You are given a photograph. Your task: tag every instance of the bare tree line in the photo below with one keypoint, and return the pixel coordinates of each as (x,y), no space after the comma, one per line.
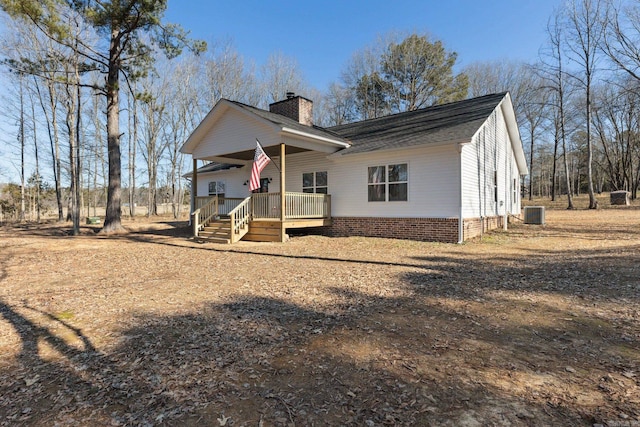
(577,106)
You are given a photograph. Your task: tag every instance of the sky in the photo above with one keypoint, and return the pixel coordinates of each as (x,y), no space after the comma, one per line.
(322,35)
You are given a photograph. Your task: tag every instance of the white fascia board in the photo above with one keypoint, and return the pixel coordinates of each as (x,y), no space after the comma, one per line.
(514,134)
(317,138)
(339,155)
(228,160)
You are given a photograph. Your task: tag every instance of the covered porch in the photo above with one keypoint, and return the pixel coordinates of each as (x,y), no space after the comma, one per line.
(259,216)
(227,137)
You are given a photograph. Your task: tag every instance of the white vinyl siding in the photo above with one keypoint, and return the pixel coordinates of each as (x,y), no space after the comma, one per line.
(489,170)
(234,132)
(433,189)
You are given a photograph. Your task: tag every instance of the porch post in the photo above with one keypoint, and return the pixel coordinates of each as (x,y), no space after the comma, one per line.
(194,190)
(283,196)
(194,184)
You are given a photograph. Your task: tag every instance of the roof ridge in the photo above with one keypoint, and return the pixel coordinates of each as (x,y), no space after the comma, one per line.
(431,107)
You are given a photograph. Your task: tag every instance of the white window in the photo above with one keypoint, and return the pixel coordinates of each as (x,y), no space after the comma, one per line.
(315,182)
(216,188)
(388,183)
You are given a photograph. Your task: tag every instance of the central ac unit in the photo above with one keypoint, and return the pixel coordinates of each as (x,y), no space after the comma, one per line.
(534,215)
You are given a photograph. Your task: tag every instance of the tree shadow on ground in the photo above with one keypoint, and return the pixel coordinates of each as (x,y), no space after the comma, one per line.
(598,273)
(169,228)
(59,377)
(264,360)
(445,353)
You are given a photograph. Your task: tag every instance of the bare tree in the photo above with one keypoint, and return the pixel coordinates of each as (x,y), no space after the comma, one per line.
(121,24)
(489,77)
(226,75)
(179,122)
(358,79)
(339,106)
(153,107)
(554,75)
(616,126)
(21,138)
(533,111)
(281,74)
(132,117)
(584,33)
(621,41)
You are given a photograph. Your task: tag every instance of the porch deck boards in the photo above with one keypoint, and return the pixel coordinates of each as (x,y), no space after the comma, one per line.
(304,210)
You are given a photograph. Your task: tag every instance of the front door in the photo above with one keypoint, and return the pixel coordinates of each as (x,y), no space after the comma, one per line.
(264,186)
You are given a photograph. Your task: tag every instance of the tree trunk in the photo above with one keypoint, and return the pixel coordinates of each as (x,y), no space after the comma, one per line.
(554,168)
(133,130)
(37,159)
(74,211)
(531,166)
(112,221)
(22,218)
(55,149)
(566,161)
(593,204)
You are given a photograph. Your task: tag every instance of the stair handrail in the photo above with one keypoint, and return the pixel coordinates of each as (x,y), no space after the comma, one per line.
(203,214)
(240,217)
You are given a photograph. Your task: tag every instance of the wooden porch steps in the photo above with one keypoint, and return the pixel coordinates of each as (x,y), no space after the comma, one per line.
(216,231)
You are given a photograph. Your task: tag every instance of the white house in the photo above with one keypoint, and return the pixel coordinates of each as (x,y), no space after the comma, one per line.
(444,173)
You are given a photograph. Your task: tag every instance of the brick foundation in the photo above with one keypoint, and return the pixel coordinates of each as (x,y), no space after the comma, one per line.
(474,227)
(423,229)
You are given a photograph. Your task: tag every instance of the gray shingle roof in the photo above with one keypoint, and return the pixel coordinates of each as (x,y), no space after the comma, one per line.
(456,121)
(213,167)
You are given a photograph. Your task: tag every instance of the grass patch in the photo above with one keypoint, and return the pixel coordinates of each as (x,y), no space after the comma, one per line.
(65,315)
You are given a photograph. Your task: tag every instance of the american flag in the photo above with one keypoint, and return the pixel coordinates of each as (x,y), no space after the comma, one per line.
(260,161)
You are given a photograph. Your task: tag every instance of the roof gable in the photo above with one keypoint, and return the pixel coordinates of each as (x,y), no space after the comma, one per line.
(277,123)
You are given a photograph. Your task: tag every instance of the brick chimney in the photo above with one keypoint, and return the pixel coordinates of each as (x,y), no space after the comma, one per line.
(295,107)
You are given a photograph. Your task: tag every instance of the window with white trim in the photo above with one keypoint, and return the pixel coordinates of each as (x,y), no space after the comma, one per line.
(315,182)
(216,188)
(388,183)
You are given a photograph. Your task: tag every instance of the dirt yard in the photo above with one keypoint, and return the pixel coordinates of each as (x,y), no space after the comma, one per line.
(539,325)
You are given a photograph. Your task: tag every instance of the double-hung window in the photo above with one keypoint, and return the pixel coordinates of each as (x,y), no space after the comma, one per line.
(388,183)
(315,182)
(216,188)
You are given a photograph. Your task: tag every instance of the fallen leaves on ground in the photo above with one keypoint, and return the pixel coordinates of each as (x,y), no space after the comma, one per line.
(538,325)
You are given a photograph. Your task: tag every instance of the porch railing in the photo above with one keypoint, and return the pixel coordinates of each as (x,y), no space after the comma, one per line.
(307,205)
(297,205)
(259,206)
(203,214)
(240,217)
(266,205)
(225,204)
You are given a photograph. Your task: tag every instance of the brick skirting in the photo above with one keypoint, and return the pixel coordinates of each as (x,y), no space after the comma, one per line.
(474,227)
(423,229)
